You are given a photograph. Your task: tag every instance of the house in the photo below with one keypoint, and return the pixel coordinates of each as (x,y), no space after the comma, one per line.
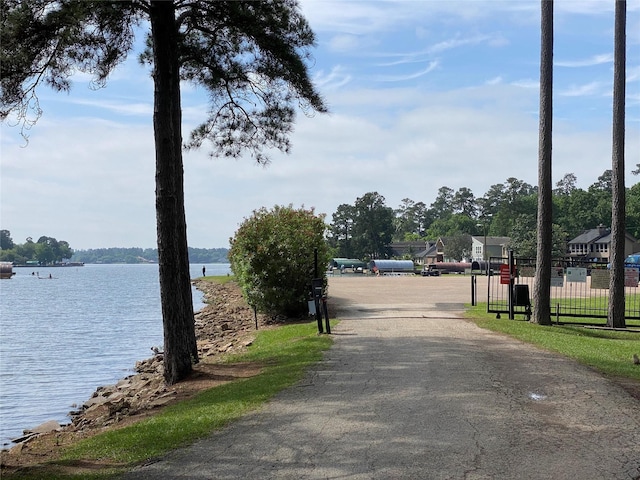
(594,245)
(421,252)
(440,247)
(495,247)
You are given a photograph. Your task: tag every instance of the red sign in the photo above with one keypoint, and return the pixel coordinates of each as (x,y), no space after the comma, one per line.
(505,275)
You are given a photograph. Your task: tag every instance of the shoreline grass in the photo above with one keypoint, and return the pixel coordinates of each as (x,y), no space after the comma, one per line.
(285,352)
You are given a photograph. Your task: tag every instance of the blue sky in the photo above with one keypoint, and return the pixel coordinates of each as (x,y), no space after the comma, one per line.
(423,94)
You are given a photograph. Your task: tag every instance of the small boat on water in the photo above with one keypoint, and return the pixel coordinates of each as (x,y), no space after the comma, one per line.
(6,270)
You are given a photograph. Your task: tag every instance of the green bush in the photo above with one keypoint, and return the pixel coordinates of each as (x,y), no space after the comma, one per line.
(272,258)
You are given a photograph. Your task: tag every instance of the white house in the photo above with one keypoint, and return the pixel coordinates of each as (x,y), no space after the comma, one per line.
(495,247)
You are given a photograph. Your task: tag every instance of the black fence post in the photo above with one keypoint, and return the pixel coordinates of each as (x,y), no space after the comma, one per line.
(325,310)
(474,300)
(511,282)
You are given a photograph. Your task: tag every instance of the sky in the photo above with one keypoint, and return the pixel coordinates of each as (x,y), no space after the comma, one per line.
(422,94)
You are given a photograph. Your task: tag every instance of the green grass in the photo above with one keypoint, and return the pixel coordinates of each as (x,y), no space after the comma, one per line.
(285,353)
(609,352)
(221,279)
(598,304)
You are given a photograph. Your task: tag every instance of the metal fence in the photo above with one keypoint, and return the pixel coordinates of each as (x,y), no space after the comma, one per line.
(579,291)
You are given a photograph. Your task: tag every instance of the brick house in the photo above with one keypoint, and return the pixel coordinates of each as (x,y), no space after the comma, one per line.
(595,245)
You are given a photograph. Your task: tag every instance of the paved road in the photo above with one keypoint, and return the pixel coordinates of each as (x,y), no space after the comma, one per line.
(411,391)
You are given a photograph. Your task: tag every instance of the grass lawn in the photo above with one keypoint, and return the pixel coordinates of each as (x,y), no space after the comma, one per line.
(608,351)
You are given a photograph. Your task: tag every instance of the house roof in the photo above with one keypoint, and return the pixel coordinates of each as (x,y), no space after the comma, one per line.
(590,236)
(432,251)
(402,248)
(607,238)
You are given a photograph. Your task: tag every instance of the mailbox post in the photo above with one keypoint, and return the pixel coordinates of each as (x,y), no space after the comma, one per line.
(316,291)
(319,300)
(327,325)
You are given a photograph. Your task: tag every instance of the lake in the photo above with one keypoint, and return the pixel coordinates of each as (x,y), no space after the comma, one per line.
(62,337)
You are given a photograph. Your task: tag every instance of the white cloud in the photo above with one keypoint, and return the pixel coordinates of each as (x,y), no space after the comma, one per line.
(459,41)
(589,62)
(409,76)
(588,89)
(466,116)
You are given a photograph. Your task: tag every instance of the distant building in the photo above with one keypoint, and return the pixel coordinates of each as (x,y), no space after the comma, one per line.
(420,251)
(595,245)
(495,247)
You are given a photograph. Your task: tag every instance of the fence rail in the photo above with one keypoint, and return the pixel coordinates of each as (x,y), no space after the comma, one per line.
(579,291)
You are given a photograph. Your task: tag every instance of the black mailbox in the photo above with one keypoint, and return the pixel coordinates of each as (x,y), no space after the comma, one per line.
(521,296)
(316,286)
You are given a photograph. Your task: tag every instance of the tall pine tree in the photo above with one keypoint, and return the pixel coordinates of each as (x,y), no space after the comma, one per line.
(250,56)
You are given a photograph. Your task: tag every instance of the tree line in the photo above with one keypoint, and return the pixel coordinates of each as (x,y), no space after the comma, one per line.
(146,255)
(49,251)
(45,251)
(367,228)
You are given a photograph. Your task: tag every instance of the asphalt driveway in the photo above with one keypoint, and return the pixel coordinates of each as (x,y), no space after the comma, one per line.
(411,390)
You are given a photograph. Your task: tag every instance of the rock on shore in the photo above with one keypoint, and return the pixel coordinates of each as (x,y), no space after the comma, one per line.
(225,324)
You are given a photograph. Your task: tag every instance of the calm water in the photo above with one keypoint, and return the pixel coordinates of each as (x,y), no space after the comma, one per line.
(61,338)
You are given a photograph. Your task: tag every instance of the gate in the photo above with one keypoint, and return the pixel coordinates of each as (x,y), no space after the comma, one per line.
(580,291)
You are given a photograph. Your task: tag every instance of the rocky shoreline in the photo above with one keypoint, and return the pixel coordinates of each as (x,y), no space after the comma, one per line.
(225,324)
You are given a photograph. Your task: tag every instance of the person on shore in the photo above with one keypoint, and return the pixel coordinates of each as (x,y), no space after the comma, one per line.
(203,271)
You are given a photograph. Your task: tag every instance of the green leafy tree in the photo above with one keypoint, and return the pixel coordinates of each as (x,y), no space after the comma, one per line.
(272,257)
(44,253)
(577,212)
(601,198)
(65,252)
(27,250)
(523,238)
(604,182)
(443,206)
(404,220)
(341,231)
(633,210)
(46,250)
(464,202)
(458,247)
(455,224)
(504,202)
(249,56)
(50,250)
(6,242)
(373,226)
(410,220)
(566,186)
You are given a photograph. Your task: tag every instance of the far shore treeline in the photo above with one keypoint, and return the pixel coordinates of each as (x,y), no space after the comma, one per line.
(146,255)
(50,251)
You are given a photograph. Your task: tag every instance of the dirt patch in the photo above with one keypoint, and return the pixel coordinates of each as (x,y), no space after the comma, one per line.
(225,325)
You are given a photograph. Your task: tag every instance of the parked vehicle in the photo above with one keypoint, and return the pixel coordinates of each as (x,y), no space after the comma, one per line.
(633,260)
(430,271)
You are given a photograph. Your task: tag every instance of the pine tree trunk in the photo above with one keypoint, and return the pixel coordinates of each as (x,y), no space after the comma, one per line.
(615,317)
(180,350)
(542,286)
